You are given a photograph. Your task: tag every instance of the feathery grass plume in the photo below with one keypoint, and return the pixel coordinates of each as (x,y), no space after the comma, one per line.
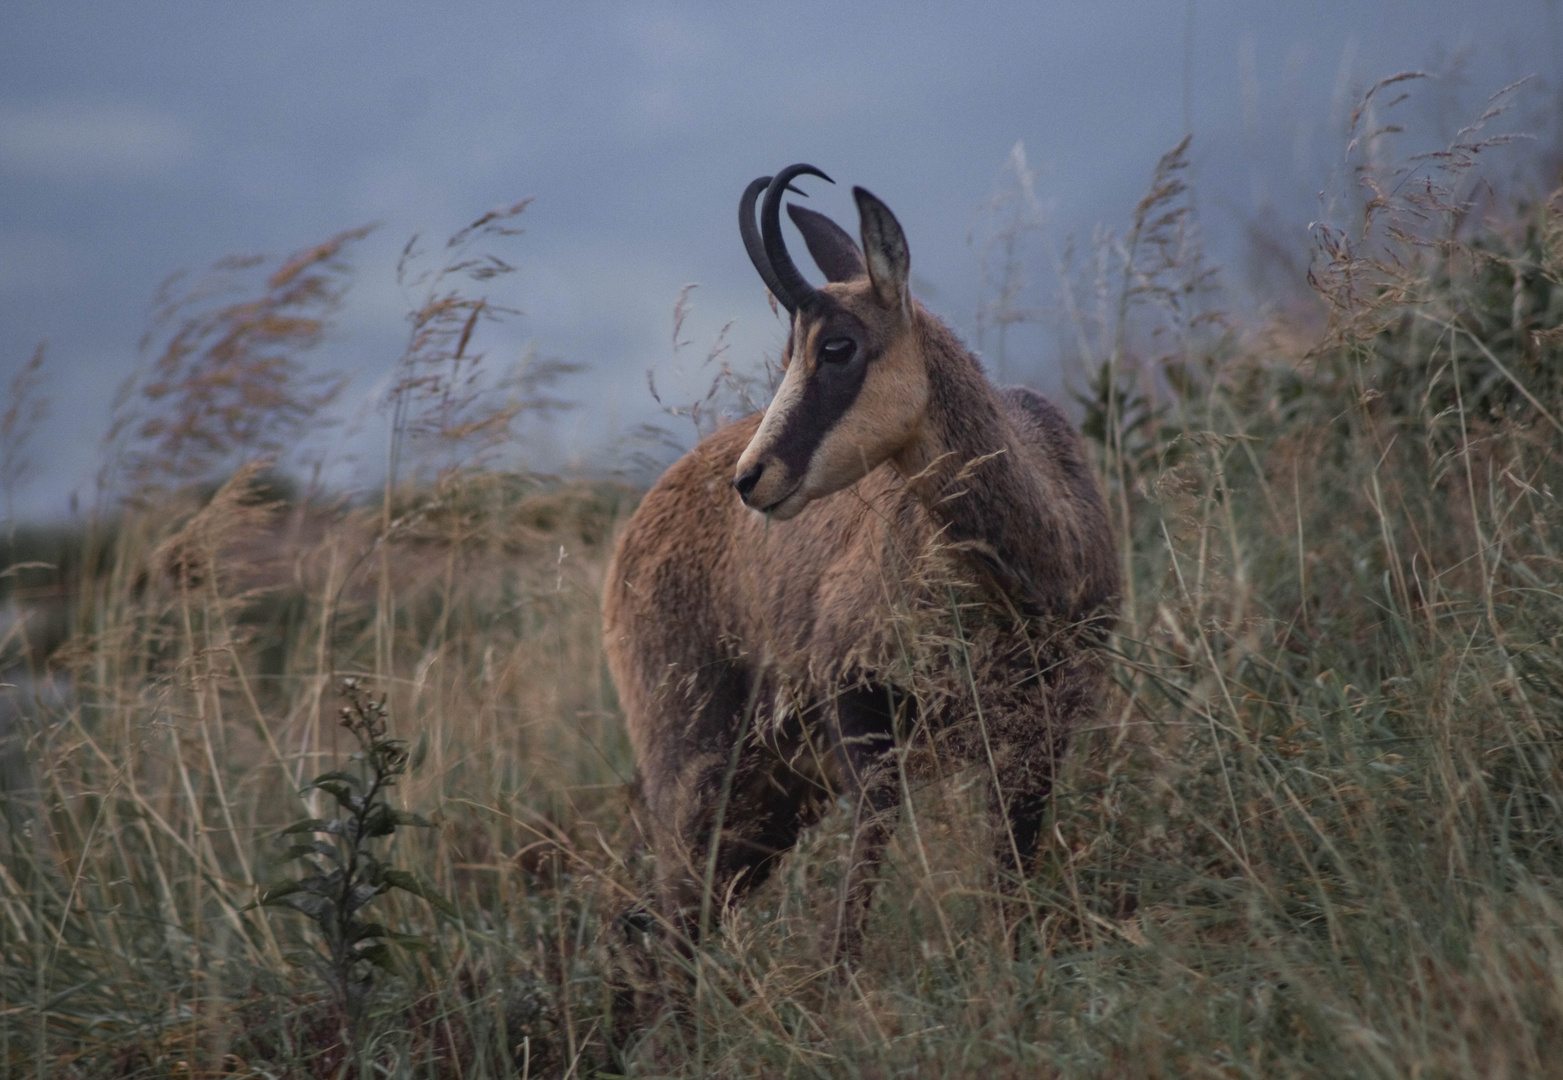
(28,407)
(729,392)
(1146,331)
(226,383)
(1010,219)
(447,402)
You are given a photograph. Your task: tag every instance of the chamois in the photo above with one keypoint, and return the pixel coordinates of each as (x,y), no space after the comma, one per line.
(912,557)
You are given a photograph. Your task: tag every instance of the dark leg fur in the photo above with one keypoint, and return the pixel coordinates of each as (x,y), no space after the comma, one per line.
(1017,806)
(1029,732)
(863,742)
(683,805)
(683,782)
(764,812)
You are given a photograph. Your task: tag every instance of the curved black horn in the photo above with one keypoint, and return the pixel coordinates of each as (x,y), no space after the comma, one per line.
(752,242)
(796,293)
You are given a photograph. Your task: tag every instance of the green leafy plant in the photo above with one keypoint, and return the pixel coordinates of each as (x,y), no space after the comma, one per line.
(344,874)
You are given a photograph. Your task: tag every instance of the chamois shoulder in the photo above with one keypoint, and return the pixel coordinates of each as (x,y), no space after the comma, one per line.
(662,549)
(700,481)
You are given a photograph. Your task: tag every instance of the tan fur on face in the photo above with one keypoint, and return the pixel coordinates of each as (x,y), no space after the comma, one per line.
(884,418)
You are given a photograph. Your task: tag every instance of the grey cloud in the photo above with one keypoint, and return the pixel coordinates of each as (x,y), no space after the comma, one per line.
(636,127)
(88,140)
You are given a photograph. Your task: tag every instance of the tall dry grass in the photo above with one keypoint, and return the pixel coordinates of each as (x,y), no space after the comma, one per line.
(1317,832)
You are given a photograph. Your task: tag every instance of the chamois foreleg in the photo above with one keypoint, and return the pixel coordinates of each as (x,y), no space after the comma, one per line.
(703,790)
(1017,805)
(717,786)
(863,744)
(759,812)
(1026,732)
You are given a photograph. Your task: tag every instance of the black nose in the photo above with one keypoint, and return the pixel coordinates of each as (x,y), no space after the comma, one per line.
(747,479)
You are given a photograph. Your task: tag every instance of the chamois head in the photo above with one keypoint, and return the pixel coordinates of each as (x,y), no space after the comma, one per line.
(855,388)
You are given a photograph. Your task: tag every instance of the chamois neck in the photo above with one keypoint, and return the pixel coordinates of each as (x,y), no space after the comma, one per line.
(1014,501)
(965,420)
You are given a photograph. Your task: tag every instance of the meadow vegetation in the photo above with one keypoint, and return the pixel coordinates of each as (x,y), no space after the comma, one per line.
(1319,831)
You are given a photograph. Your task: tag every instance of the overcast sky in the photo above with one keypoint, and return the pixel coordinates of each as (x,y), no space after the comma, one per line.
(139,139)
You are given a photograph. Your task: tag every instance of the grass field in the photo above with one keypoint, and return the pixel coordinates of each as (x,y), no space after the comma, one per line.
(1319,831)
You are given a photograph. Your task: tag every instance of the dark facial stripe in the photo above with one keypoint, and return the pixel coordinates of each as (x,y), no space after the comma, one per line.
(828,395)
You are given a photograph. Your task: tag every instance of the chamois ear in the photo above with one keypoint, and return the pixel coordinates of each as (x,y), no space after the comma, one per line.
(884,246)
(833,248)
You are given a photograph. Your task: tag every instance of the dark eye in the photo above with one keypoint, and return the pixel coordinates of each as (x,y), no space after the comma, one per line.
(837,350)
